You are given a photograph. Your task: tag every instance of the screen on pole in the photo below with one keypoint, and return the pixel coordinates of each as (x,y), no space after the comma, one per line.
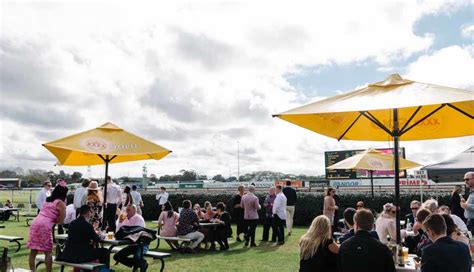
(332,157)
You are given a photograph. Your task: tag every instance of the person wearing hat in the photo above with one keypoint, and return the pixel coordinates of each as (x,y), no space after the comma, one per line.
(94,199)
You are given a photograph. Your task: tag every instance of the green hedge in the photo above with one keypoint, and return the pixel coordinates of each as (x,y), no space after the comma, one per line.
(309,205)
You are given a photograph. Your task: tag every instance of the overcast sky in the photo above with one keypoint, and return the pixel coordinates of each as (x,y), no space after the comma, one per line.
(196,77)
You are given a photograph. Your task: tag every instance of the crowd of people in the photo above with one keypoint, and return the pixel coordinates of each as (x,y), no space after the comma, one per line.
(88,219)
(436,234)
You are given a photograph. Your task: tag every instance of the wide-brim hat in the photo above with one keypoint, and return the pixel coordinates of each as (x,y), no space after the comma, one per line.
(93,185)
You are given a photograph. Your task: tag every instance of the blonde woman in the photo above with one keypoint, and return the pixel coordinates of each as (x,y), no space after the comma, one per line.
(330,207)
(318,252)
(386,225)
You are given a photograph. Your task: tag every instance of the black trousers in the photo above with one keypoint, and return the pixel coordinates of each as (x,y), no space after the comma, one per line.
(240,226)
(279,226)
(250,226)
(268,223)
(220,236)
(101,254)
(110,214)
(127,256)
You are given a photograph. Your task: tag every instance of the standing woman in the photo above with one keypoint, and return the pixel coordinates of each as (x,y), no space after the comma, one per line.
(330,205)
(127,198)
(94,199)
(318,252)
(455,203)
(40,237)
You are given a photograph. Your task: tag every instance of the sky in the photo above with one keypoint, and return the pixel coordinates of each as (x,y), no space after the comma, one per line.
(203,78)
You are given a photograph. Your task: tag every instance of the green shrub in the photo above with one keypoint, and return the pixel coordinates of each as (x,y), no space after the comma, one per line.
(308,206)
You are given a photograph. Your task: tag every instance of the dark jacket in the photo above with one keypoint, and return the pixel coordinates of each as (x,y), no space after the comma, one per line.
(446,255)
(224,230)
(79,241)
(411,218)
(455,206)
(323,261)
(125,231)
(350,234)
(362,253)
(290,194)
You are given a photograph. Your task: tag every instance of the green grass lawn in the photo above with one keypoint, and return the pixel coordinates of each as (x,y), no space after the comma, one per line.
(265,257)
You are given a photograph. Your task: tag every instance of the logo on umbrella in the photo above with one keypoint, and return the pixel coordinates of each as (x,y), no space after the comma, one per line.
(94,144)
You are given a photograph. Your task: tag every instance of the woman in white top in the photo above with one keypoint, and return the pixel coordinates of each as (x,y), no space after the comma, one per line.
(330,204)
(386,225)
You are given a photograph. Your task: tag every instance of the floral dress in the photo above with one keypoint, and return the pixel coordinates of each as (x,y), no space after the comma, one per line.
(41,230)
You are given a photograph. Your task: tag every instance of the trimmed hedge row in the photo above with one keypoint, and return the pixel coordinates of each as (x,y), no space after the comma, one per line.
(309,205)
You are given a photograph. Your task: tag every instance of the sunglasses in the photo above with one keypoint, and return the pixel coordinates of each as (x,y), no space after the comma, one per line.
(466,179)
(414,209)
(393,211)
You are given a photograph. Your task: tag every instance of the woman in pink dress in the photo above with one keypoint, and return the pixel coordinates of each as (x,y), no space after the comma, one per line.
(167,222)
(40,237)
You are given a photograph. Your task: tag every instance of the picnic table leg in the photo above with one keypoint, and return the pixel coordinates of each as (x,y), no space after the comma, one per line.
(162,265)
(158,240)
(18,245)
(18,216)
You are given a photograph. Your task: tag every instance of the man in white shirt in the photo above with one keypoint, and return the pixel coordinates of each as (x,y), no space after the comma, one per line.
(43,194)
(130,255)
(279,214)
(162,197)
(70,214)
(114,200)
(137,199)
(79,195)
(457,220)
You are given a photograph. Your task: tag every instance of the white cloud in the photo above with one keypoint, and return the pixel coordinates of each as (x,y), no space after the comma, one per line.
(193,77)
(468,31)
(451,66)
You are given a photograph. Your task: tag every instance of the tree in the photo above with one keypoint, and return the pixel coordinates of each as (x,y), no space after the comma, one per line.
(219,177)
(76,176)
(202,177)
(188,175)
(8,174)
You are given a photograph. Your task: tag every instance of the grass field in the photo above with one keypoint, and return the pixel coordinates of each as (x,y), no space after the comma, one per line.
(265,257)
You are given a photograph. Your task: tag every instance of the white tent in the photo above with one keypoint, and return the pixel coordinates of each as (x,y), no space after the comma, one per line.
(453,169)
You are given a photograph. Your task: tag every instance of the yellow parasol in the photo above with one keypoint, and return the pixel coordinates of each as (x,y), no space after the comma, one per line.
(396,108)
(105,144)
(373,160)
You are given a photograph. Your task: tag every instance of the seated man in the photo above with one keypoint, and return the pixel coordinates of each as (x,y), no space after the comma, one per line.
(444,254)
(79,247)
(187,225)
(457,220)
(124,256)
(363,253)
(349,221)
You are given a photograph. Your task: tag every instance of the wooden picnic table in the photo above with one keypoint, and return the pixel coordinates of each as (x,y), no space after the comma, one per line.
(112,242)
(17,210)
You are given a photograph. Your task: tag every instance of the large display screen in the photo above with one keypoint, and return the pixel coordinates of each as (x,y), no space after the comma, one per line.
(332,157)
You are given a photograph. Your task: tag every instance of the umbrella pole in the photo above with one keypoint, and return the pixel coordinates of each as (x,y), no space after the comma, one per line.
(104,219)
(396,201)
(372,182)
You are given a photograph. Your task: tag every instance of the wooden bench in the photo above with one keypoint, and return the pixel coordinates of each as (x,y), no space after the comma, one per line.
(12,239)
(152,254)
(182,242)
(82,266)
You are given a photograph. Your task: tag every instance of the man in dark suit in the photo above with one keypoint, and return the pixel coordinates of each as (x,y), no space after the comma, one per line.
(79,247)
(411,217)
(445,254)
(348,215)
(363,253)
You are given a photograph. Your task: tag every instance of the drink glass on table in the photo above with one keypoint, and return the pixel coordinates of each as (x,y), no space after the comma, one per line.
(110,235)
(405,254)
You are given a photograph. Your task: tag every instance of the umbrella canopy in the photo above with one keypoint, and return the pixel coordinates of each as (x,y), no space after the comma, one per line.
(86,148)
(373,160)
(425,111)
(105,144)
(396,108)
